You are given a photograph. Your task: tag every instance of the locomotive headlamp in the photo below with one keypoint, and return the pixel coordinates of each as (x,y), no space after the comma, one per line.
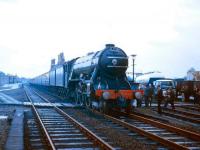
(138,95)
(106,95)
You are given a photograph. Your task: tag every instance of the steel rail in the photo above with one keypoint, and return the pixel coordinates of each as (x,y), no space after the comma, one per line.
(151,136)
(183,112)
(90,134)
(181,116)
(49,140)
(191,108)
(188,134)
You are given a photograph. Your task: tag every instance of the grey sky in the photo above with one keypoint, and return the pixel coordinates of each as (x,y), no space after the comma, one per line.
(163,34)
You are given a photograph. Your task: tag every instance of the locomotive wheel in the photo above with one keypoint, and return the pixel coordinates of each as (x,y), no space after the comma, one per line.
(88,102)
(79,98)
(117,106)
(76,97)
(82,99)
(128,107)
(103,106)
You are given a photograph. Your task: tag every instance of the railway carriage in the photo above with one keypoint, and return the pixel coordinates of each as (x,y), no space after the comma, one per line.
(187,87)
(95,80)
(52,77)
(45,79)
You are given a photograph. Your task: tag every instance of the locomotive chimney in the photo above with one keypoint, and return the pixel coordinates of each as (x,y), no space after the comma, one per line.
(52,63)
(110,45)
(61,59)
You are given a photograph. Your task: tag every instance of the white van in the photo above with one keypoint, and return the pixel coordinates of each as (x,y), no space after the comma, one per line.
(164,83)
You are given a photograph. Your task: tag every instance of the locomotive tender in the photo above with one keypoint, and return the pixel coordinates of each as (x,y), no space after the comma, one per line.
(98,79)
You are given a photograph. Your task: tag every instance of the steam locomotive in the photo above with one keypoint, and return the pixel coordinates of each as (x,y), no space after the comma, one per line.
(96,80)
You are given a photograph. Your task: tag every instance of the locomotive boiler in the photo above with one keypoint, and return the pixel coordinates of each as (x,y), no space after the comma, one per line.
(111,60)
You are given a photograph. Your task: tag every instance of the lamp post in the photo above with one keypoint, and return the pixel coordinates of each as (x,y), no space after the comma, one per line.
(133,58)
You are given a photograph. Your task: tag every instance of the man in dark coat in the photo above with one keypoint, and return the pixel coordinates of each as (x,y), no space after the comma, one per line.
(159,96)
(146,96)
(198,98)
(195,94)
(151,94)
(170,98)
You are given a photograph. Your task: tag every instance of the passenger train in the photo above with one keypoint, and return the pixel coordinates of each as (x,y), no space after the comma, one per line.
(96,80)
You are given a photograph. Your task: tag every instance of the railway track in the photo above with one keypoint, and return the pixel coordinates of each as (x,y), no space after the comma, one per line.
(191,113)
(182,114)
(61,131)
(101,130)
(170,136)
(112,126)
(33,136)
(193,108)
(152,132)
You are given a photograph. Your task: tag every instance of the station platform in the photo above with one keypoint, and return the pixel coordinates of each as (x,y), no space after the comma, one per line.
(15,140)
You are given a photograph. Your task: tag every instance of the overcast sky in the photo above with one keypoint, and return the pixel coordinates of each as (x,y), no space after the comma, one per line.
(164,34)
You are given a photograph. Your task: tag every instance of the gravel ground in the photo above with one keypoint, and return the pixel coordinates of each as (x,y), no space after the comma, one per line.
(17,94)
(5,124)
(123,140)
(169,120)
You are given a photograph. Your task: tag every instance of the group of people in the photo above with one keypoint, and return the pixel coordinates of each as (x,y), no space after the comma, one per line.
(167,96)
(160,96)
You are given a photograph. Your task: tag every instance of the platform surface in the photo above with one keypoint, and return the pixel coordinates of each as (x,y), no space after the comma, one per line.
(15,140)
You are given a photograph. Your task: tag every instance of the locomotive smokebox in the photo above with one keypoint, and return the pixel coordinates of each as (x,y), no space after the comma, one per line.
(113,60)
